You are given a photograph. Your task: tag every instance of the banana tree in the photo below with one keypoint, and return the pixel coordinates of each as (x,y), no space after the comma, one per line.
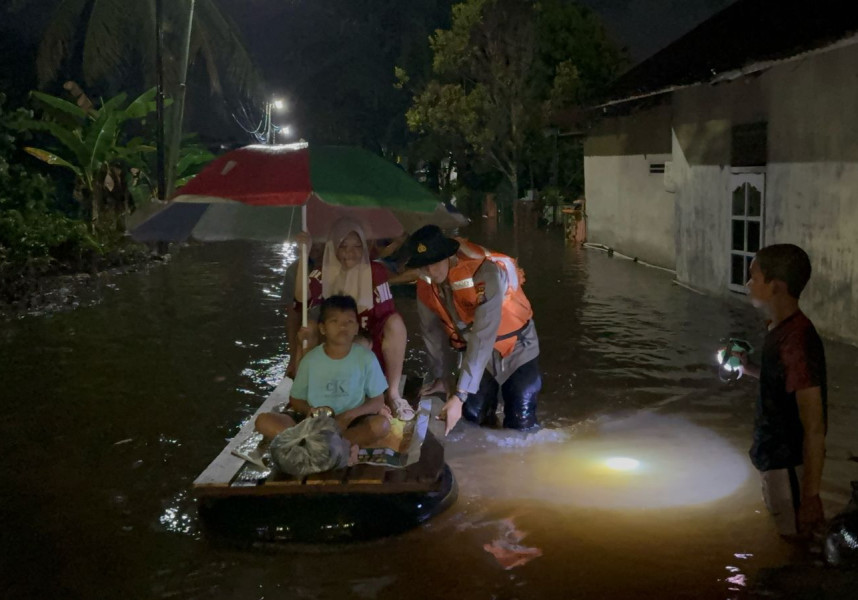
(192,157)
(89,144)
(118,37)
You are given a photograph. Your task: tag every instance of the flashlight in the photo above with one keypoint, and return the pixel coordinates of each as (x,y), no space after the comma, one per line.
(729,364)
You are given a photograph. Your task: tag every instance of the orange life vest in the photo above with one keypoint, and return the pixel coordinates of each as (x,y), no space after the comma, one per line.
(515,310)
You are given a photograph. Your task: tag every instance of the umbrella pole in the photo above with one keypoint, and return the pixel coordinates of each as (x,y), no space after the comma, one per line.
(304,261)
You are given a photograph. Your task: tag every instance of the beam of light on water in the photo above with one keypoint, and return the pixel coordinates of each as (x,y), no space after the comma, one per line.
(623,464)
(678,463)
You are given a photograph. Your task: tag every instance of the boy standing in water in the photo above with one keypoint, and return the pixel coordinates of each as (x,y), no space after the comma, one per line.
(340,375)
(791,416)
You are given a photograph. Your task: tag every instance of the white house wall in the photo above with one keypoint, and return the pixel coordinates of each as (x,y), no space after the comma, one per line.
(700,137)
(813,180)
(811,194)
(627,206)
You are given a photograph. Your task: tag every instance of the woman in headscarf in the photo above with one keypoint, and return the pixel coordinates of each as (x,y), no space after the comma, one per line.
(347,270)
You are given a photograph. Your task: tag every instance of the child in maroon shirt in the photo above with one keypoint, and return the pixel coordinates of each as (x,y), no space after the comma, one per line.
(791,416)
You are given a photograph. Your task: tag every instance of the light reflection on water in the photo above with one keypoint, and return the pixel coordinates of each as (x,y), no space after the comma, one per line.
(677,463)
(113,410)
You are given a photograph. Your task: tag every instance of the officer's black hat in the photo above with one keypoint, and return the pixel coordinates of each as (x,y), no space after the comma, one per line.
(429,245)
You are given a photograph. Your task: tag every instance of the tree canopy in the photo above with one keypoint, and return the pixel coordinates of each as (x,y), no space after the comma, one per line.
(112,45)
(501,69)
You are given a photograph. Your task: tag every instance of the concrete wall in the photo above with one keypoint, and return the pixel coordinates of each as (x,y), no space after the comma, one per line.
(812,194)
(811,177)
(703,118)
(811,110)
(631,213)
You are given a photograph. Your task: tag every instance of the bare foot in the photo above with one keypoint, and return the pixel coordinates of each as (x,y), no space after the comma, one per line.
(400,408)
(353,455)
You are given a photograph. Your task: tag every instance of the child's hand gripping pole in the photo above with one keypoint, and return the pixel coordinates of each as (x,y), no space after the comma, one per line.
(304,239)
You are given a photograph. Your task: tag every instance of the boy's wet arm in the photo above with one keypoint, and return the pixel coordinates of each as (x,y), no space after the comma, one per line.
(302,406)
(810,411)
(370,406)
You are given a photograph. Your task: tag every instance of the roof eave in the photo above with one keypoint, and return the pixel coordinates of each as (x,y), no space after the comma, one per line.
(734,74)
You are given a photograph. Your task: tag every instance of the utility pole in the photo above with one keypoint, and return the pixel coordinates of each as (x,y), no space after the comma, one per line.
(159,101)
(268,128)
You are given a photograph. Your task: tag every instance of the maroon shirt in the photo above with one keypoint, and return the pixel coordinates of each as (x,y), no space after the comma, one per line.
(793,359)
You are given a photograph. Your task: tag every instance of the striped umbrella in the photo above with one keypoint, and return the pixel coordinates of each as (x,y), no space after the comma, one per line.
(269,193)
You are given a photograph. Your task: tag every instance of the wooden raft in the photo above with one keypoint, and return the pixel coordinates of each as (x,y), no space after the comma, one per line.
(229,475)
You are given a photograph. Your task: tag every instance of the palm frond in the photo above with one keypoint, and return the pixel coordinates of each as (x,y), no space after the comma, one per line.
(52,159)
(142,105)
(200,45)
(63,106)
(147,25)
(232,52)
(100,141)
(70,139)
(106,40)
(58,39)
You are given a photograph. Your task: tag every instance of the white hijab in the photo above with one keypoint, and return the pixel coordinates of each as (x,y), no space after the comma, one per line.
(355,282)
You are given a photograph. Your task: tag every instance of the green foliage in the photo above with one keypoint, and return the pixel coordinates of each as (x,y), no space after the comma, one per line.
(35,237)
(575,52)
(110,43)
(88,143)
(193,156)
(500,71)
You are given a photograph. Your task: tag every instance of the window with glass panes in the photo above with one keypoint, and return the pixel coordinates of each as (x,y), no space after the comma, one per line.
(746,225)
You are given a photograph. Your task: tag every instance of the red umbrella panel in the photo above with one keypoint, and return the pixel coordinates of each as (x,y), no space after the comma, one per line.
(257,193)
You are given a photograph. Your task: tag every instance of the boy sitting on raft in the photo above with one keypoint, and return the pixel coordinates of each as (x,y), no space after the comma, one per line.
(340,375)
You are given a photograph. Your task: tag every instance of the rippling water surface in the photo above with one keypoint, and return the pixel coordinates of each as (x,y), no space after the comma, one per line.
(110,411)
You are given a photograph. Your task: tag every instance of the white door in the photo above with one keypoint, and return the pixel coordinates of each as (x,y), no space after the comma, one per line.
(747,198)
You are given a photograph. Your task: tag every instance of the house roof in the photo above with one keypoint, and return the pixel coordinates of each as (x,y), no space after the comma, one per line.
(745,33)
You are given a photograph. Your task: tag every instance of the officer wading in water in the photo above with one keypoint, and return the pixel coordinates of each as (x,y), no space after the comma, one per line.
(471,298)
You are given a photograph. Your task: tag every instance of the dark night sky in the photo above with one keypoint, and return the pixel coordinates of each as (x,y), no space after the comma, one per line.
(646,26)
(643,26)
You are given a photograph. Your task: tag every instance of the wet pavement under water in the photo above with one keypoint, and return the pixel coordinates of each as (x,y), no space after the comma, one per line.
(111,410)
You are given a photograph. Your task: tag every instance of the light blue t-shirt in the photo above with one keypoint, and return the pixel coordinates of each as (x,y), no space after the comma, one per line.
(342,384)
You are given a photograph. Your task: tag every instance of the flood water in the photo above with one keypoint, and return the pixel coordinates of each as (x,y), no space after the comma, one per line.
(111,410)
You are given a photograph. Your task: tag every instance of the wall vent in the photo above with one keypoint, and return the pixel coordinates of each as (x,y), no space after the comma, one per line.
(656,168)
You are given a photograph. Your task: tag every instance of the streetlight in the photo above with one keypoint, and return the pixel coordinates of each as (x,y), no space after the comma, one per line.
(277,104)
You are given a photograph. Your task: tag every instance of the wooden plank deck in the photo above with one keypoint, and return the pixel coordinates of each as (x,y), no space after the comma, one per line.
(229,475)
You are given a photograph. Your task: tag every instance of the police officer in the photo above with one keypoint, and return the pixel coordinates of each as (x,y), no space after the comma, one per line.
(472,299)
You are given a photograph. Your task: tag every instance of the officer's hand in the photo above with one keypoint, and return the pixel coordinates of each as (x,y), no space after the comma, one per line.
(433,387)
(451,413)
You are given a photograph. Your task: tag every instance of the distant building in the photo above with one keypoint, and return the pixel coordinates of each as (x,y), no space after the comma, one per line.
(742,133)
